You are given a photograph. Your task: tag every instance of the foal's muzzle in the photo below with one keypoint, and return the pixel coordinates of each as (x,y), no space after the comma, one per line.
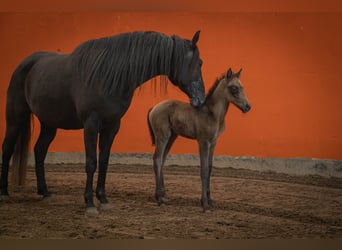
(246,108)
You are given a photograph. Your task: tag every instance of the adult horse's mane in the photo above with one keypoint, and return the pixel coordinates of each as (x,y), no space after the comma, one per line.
(129,58)
(213,87)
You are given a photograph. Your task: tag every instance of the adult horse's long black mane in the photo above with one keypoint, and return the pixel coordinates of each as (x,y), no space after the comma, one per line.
(90,88)
(99,61)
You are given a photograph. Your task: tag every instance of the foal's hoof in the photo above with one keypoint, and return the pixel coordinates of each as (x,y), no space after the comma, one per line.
(207,211)
(106,206)
(91,212)
(161,201)
(206,208)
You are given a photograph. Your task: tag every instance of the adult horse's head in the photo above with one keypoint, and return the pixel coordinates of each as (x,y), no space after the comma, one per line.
(187,69)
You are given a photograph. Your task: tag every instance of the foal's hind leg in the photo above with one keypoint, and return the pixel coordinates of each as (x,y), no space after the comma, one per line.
(163,146)
(167,149)
(7,151)
(46,136)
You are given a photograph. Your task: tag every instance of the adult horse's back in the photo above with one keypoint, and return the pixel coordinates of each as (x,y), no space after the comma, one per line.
(90,88)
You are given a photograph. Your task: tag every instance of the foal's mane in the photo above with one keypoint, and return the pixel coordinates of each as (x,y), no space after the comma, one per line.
(213,87)
(120,63)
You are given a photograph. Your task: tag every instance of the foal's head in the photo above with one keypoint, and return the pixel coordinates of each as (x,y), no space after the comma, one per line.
(235,92)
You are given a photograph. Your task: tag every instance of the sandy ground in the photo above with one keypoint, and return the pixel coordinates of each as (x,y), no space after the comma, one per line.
(246,205)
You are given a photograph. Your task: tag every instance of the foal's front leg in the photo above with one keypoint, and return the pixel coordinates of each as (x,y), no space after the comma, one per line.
(204,148)
(210,164)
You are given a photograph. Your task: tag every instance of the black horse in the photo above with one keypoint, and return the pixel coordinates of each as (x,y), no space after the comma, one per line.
(90,88)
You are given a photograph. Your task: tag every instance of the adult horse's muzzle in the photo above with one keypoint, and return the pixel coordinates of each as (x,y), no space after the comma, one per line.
(196,93)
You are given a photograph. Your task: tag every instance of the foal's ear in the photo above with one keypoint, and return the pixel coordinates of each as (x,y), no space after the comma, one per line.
(238,73)
(229,73)
(195,38)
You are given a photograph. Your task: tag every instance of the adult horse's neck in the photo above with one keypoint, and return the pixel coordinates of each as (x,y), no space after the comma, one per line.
(149,74)
(118,65)
(158,58)
(155,70)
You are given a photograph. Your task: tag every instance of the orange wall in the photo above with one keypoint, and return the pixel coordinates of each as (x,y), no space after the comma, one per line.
(291,72)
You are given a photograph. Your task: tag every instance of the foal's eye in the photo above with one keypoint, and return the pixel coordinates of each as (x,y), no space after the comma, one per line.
(234,90)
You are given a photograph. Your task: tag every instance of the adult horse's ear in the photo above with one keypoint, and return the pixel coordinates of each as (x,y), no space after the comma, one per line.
(238,73)
(195,38)
(229,73)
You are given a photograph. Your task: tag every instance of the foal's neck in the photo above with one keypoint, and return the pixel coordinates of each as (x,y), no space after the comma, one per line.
(217,104)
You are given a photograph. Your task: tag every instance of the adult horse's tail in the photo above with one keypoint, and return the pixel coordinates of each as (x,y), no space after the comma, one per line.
(150,127)
(18,121)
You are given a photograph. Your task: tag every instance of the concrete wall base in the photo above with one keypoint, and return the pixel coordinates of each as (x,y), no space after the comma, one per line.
(292,166)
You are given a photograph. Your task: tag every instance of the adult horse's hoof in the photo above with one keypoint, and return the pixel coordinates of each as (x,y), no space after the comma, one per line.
(91,212)
(106,206)
(4,197)
(43,192)
(48,198)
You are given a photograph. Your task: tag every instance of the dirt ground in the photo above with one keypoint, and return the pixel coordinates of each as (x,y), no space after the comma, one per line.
(246,205)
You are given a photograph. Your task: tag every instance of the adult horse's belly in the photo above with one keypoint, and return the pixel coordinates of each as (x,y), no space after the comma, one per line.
(56,114)
(48,92)
(53,106)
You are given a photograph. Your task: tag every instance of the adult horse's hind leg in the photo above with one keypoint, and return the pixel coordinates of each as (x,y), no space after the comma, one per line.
(7,151)
(17,137)
(45,138)
(105,143)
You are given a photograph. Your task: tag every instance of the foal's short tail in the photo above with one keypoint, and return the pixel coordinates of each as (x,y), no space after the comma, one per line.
(150,127)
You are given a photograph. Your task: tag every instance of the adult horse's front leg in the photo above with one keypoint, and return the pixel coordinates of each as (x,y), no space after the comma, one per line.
(106,140)
(204,148)
(91,129)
